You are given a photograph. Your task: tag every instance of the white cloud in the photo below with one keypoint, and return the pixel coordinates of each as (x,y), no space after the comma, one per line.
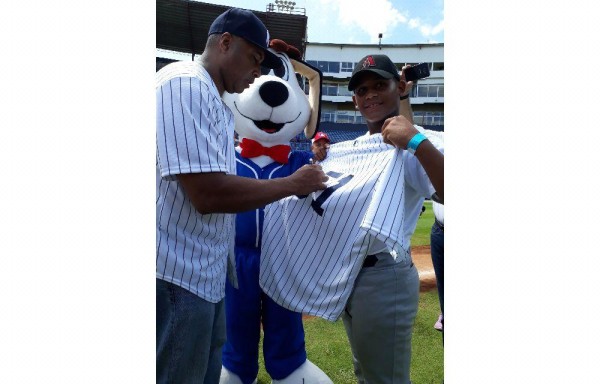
(372,17)
(414,23)
(361,21)
(426,29)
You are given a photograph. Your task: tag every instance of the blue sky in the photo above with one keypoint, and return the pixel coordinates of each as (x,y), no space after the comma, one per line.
(361,21)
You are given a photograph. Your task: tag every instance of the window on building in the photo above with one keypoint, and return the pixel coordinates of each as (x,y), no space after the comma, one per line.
(428,120)
(327,116)
(418,117)
(428,90)
(432,92)
(323,66)
(330,90)
(327,66)
(344,117)
(438,66)
(343,90)
(347,67)
(433,118)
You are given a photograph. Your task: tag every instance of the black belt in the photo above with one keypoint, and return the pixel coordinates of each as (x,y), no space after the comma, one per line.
(370,261)
(439,224)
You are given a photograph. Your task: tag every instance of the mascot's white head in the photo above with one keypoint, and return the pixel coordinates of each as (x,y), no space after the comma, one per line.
(275,109)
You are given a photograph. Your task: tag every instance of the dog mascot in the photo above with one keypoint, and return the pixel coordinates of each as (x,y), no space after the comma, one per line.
(268,115)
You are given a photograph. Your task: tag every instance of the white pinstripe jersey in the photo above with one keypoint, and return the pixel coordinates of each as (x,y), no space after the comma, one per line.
(310,261)
(194,134)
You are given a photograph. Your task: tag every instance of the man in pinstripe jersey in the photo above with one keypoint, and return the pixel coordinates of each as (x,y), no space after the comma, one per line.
(197,192)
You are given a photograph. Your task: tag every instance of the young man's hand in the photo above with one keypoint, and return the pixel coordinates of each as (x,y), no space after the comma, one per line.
(404,85)
(398,131)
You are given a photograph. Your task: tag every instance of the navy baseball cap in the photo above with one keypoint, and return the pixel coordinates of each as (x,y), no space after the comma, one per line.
(244,23)
(378,64)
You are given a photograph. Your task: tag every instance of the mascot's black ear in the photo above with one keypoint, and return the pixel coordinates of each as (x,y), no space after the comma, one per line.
(315,84)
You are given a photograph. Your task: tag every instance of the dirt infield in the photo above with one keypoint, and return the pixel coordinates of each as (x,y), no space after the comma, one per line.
(422,258)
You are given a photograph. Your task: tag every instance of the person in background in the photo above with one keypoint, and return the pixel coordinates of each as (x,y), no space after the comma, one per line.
(319,146)
(437,257)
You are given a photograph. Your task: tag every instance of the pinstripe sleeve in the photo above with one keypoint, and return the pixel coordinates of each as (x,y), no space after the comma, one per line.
(187,132)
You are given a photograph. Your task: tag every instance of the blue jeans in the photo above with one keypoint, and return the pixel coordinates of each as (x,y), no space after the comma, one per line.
(437,258)
(190,333)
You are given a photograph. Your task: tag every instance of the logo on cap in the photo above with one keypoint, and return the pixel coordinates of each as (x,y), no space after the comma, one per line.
(268,38)
(319,136)
(369,62)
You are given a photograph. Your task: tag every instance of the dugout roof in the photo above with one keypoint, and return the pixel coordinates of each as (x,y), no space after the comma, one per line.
(182,25)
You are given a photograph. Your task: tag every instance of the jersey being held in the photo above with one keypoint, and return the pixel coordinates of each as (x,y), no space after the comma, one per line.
(194,134)
(314,247)
(248,225)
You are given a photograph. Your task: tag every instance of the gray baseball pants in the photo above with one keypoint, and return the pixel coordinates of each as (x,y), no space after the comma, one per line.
(379,319)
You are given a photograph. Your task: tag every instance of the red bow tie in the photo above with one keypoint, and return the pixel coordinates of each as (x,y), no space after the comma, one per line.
(251,148)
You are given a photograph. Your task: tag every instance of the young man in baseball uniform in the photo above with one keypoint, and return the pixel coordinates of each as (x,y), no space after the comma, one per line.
(197,190)
(359,265)
(380,312)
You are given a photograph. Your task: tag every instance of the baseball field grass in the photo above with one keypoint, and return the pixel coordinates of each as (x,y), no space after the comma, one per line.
(421,235)
(327,345)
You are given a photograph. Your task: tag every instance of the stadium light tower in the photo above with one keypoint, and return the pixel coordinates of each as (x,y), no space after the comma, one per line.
(285,5)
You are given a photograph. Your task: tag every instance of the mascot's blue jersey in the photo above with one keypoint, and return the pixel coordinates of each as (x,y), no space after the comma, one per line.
(248,225)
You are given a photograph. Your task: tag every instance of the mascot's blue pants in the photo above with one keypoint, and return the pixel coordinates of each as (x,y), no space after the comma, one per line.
(283,343)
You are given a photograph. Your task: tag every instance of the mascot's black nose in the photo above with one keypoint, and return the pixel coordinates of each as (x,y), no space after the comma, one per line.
(273,93)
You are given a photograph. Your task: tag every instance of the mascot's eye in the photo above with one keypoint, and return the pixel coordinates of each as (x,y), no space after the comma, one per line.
(280,72)
(264,70)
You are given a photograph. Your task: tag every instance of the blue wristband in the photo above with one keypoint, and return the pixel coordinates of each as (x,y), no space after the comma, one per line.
(414,143)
